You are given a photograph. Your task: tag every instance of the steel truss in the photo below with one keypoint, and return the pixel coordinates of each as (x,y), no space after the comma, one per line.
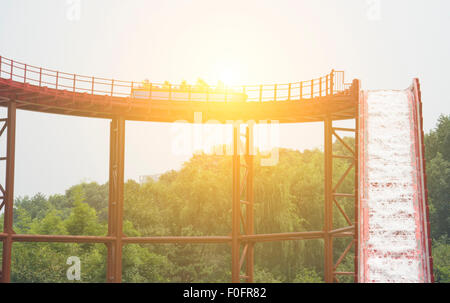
(242,238)
(332,196)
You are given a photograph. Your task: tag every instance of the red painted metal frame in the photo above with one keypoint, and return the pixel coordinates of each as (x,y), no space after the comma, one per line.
(115,238)
(115,200)
(43,90)
(422,179)
(332,195)
(243,224)
(8,192)
(242,235)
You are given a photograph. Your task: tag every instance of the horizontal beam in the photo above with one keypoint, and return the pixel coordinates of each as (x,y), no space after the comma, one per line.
(342,230)
(283,236)
(344,157)
(344,129)
(344,195)
(344,235)
(169,239)
(58,238)
(166,239)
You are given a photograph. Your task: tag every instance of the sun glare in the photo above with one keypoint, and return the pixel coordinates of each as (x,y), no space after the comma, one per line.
(227,77)
(227,72)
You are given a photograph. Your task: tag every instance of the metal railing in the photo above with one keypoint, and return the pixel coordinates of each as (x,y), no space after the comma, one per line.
(330,84)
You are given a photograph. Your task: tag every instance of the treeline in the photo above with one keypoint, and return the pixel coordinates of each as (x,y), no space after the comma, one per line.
(437,154)
(196,200)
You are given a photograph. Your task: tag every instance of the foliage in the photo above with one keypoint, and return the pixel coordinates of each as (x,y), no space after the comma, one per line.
(441,260)
(306,275)
(438,174)
(437,144)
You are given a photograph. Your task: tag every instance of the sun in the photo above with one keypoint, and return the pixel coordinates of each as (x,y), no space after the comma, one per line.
(227,76)
(228,72)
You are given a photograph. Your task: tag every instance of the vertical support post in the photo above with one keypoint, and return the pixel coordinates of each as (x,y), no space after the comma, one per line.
(275,93)
(327,85)
(111,198)
(260,92)
(357,85)
(115,203)
(289,92)
(235,208)
(9,192)
(112,87)
(151,89)
(301,90)
(332,82)
(320,87)
(190,92)
(328,224)
(249,153)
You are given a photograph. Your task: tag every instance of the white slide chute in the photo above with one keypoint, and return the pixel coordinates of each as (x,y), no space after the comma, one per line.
(393,234)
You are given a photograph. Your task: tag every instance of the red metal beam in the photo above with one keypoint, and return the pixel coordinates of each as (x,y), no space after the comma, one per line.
(283,236)
(342,230)
(115,203)
(356,88)
(235,208)
(328,224)
(249,155)
(61,238)
(422,165)
(174,239)
(9,191)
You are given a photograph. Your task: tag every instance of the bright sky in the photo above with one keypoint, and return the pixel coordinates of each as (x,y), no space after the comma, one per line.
(383,43)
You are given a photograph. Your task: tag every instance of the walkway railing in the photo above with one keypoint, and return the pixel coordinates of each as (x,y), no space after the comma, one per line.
(330,84)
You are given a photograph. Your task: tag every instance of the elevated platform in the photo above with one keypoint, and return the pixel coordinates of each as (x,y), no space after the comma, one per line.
(43,90)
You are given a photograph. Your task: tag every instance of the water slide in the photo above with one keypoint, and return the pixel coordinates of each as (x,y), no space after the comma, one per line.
(394,243)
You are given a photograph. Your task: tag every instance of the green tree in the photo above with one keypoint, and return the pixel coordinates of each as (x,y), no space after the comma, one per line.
(83,218)
(437,144)
(441,260)
(307,275)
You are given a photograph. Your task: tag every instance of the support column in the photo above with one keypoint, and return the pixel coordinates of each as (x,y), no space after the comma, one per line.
(8,192)
(235,208)
(357,87)
(328,224)
(115,202)
(249,155)
(242,198)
